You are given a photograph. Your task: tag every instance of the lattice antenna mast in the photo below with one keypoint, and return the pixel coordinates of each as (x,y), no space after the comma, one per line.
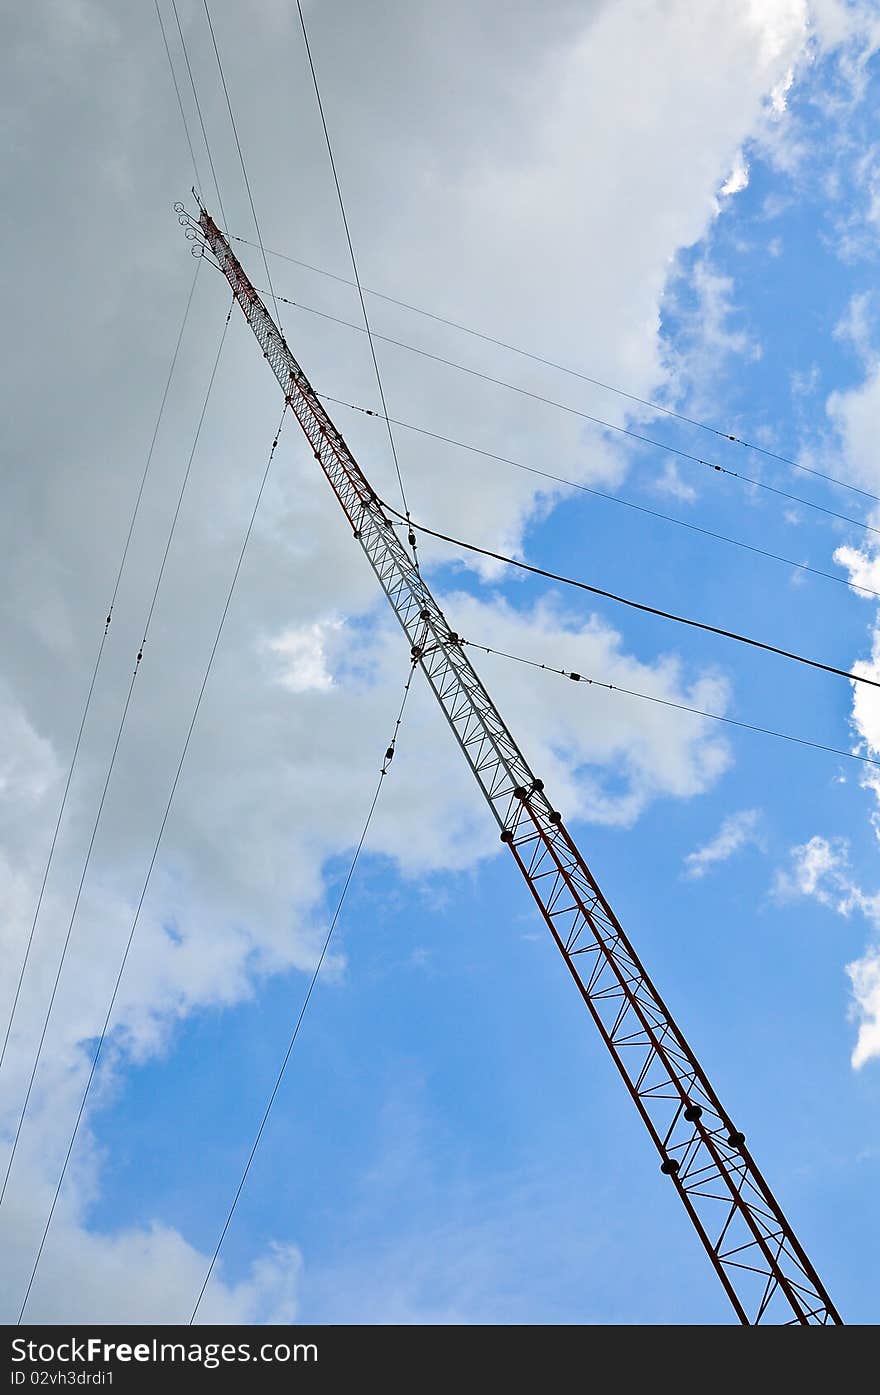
(755,1253)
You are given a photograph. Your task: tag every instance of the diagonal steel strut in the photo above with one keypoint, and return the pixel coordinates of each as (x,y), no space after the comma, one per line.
(756,1255)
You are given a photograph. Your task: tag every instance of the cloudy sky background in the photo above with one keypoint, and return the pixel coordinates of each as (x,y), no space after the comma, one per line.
(683,199)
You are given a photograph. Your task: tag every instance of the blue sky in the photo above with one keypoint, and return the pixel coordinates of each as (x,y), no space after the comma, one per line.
(451,1142)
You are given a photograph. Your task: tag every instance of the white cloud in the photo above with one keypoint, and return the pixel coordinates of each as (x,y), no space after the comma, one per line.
(738,179)
(853,26)
(645,751)
(805,384)
(863,567)
(148,1275)
(708,334)
(820,869)
(715,308)
(779,94)
(303,650)
(853,414)
(495,145)
(854,325)
(736,832)
(864,975)
(825,875)
(670,482)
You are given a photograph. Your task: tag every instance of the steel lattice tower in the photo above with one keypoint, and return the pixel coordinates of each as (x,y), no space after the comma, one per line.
(753,1249)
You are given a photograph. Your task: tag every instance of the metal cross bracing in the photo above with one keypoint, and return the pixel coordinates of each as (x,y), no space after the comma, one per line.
(756,1255)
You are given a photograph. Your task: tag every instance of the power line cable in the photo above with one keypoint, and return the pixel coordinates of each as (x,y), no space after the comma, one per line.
(720,432)
(609,498)
(111,765)
(586,416)
(152,863)
(635,605)
(389,755)
(354,266)
(192,83)
(241,156)
(577,677)
(179,98)
(97,665)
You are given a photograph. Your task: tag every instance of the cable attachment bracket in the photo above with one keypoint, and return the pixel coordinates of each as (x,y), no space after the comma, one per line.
(392,745)
(420,648)
(413,541)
